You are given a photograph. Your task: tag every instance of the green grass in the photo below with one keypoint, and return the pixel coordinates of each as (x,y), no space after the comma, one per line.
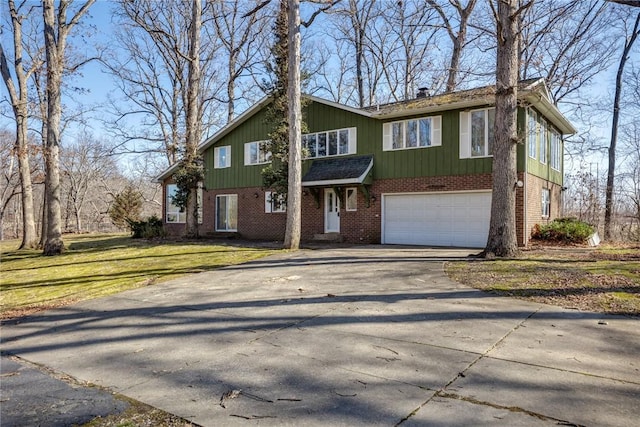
(98,265)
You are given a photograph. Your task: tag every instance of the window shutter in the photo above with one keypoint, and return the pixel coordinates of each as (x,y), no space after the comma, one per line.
(465,136)
(353,141)
(436,130)
(267,201)
(387,142)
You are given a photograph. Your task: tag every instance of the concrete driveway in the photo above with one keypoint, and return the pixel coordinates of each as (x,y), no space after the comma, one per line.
(348,336)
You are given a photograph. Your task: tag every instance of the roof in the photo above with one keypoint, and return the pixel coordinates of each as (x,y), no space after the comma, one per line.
(532,91)
(338,170)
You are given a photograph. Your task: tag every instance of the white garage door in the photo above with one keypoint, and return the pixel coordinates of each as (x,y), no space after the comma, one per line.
(451,219)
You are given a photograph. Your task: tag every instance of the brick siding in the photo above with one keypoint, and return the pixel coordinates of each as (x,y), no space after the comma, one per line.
(365,224)
(534,202)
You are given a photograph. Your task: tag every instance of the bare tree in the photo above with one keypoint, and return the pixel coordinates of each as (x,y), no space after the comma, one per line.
(19,97)
(403,43)
(502,240)
(84,165)
(457,35)
(152,73)
(190,161)
(294,193)
(567,43)
(630,39)
(56,31)
(240,31)
(630,185)
(10,178)
(353,26)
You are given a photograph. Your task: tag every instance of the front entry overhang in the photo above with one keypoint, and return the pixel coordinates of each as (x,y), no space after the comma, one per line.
(338,172)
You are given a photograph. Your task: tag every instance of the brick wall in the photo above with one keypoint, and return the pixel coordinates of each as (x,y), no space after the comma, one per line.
(534,202)
(253,222)
(364,224)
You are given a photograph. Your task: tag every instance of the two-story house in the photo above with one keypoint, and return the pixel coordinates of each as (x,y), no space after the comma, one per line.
(414,172)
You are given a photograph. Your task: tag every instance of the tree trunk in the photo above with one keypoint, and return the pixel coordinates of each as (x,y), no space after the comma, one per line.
(231,89)
(359,76)
(458,39)
(19,101)
(294,193)
(458,44)
(502,239)
(608,206)
(29,236)
(193,114)
(53,244)
(55,37)
(45,223)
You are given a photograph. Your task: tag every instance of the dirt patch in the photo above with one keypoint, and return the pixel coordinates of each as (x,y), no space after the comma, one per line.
(605,280)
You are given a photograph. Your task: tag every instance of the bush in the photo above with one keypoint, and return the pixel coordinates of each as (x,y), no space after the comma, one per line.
(146,229)
(566,230)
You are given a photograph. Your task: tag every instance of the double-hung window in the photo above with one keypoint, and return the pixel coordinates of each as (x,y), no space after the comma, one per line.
(546,203)
(227,212)
(274,202)
(556,150)
(414,133)
(256,153)
(532,133)
(222,157)
(337,142)
(477,133)
(173,212)
(543,142)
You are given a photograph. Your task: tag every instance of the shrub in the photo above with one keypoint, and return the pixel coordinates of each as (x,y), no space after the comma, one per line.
(146,229)
(566,230)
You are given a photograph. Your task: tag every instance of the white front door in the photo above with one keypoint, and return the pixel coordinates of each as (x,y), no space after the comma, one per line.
(331,211)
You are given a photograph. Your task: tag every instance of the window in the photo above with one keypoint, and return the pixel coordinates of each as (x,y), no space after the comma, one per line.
(477,133)
(256,153)
(174,214)
(414,133)
(543,142)
(274,203)
(532,133)
(352,199)
(330,143)
(227,212)
(546,202)
(556,150)
(222,157)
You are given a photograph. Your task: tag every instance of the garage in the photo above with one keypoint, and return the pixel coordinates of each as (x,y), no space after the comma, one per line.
(437,219)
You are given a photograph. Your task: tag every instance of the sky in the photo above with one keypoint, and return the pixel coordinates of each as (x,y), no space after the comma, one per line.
(100,86)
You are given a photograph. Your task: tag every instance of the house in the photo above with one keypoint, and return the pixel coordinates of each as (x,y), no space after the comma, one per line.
(416,172)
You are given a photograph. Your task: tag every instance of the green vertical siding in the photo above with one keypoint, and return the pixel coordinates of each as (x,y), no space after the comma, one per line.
(430,161)
(442,160)
(238,175)
(535,166)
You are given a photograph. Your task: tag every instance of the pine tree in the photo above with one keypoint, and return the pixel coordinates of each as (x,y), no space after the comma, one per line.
(126,206)
(275,175)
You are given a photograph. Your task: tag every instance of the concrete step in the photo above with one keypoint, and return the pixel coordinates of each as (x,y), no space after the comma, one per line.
(327,237)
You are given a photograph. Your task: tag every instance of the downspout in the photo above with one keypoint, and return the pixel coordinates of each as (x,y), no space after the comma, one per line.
(525,200)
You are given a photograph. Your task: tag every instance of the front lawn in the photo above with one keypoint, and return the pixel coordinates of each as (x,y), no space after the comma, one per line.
(605,279)
(99,265)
